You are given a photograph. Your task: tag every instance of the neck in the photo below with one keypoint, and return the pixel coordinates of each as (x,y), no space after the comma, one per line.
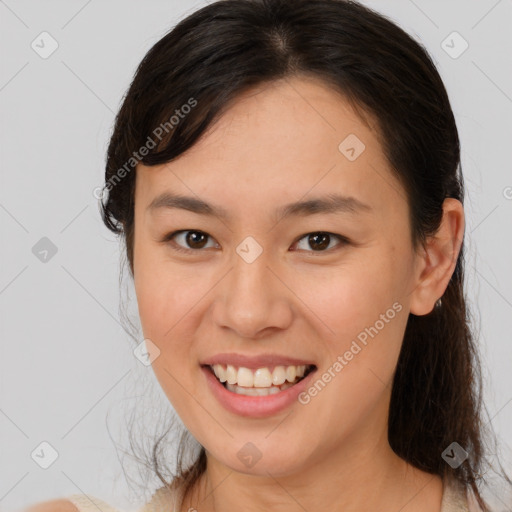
(357,478)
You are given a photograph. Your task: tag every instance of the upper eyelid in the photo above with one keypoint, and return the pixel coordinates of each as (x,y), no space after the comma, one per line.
(170,236)
(343,240)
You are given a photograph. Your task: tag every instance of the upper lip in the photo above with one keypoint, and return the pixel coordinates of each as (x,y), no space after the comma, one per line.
(255,362)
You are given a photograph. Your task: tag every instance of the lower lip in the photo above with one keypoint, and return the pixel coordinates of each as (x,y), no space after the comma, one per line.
(255,406)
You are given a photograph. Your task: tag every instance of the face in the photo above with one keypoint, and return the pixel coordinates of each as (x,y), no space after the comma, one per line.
(254,282)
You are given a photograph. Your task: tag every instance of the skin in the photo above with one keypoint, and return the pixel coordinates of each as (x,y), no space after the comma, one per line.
(277,144)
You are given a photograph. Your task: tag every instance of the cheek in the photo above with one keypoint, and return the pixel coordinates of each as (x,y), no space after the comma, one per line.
(165,294)
(367,319)
(353,296)
(361,310)
(167,315)
(169,305)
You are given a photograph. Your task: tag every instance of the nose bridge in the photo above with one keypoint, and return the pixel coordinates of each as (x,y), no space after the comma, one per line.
(250,277)
(250,300)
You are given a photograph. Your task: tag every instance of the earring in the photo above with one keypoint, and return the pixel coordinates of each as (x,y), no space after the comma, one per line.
(438,304)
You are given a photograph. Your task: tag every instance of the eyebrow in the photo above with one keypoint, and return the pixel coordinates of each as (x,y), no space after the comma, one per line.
(331,203)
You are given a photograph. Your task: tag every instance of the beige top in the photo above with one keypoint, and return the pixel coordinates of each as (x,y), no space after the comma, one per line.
(164,500)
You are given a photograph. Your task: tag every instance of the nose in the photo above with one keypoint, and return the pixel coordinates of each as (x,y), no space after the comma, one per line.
(251,300)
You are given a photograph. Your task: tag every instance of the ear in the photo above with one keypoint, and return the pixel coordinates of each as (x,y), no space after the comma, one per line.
(437,259)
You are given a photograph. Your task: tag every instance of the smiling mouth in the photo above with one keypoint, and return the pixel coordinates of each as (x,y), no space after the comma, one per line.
(260,382)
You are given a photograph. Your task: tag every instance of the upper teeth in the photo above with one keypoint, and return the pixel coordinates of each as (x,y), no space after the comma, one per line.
(260,378)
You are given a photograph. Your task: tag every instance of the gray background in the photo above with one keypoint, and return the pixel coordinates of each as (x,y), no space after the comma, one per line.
(65,359)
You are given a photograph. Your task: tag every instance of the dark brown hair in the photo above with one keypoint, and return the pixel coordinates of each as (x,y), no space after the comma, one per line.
(230,46)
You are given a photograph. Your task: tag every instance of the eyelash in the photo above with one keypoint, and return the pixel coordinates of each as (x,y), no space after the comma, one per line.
(169,238)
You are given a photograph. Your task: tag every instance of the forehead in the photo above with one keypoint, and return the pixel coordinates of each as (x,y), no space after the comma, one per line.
(280,142)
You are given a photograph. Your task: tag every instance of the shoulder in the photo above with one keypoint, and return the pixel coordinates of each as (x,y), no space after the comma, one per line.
(455,498)
(164,499)
(73,503)
(61,505)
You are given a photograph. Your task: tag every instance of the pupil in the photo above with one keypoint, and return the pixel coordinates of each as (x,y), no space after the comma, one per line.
(314,239)
(317,241)
(193,239)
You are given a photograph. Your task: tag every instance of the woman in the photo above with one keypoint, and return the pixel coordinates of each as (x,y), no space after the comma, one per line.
(286,177)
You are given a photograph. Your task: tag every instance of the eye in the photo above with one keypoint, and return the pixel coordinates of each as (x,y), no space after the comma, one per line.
(195,240)
(320,241)
(191,240)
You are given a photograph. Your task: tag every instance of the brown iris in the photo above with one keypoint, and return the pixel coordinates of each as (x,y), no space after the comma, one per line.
(319,240)
(196,239)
